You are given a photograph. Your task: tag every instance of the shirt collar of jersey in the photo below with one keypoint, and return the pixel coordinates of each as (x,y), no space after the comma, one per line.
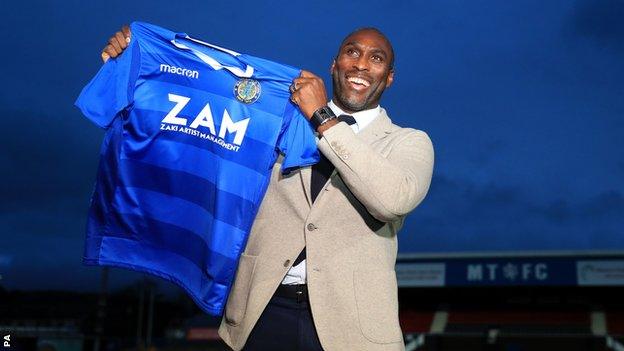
(362,118)
(246,72)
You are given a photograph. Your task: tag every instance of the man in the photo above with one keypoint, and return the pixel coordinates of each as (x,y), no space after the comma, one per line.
(318,269)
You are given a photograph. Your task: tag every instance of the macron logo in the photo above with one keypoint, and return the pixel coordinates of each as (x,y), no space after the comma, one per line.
(178,70)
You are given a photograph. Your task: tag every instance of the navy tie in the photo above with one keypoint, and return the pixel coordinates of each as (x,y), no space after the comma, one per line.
(320,174)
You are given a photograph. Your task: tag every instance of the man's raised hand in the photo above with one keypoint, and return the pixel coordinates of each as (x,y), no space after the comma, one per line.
(308,92)
(116,44)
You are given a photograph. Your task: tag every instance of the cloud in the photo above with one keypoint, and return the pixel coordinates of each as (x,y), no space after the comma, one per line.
(601,21)
(49,161)
(48,172)
(5,260)
(43,250)
(459,215)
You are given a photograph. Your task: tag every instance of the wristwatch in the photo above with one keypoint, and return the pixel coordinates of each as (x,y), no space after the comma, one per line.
(321,116)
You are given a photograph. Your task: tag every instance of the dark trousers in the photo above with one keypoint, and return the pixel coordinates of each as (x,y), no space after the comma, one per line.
(285,325)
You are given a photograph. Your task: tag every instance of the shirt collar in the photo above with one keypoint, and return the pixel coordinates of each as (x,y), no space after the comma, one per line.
(362,118)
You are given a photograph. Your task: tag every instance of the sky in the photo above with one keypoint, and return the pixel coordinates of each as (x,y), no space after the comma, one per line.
(524,103)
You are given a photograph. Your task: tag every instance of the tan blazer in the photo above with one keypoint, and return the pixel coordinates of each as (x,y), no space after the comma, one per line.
(349,232)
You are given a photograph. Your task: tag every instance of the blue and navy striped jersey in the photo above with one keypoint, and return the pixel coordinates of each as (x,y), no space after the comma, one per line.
(192,132)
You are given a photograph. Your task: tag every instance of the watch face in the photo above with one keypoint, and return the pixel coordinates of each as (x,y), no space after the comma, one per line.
(325,112)
(321,116)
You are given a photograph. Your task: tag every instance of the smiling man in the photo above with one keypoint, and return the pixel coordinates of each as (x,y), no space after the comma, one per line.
(318,269)
(366,43)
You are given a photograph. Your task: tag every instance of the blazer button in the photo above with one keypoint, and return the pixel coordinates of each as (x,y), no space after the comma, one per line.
(311,227)
(286,263)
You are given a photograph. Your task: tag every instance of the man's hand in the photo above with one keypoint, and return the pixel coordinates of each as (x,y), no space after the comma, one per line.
(116,44)
(308,92)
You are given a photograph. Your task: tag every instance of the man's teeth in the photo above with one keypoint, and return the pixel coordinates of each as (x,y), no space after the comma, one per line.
(359,81)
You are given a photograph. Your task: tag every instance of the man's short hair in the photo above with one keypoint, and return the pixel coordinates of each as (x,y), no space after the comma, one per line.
(376,30)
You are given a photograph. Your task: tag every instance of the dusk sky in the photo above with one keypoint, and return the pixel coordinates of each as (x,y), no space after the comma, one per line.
(524,103)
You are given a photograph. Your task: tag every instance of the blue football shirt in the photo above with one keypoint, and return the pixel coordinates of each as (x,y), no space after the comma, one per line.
(192,133)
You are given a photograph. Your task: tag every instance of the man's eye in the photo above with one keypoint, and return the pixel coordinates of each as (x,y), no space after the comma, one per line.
(351,52)
(377,58)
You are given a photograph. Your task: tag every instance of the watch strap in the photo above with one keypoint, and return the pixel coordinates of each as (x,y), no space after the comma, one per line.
(321,116)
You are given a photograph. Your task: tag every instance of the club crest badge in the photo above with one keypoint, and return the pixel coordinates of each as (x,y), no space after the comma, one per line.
(247,90)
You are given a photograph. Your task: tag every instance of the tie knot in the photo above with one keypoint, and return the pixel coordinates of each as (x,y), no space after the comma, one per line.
(346,118)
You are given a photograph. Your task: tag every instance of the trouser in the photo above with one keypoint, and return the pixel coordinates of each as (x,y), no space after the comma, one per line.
(285,324)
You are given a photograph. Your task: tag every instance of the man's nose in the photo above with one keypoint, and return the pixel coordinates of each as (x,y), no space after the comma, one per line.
(361,63)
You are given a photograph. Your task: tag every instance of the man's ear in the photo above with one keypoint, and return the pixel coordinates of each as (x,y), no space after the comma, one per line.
(332,67)
(390,78)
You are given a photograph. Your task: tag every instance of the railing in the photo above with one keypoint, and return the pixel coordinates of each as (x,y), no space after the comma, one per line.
(499,340)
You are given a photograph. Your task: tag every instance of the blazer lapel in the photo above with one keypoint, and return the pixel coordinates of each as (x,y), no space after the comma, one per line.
(377,129)
(306,179)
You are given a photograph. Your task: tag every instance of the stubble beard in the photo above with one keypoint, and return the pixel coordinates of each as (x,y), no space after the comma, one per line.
(352,103)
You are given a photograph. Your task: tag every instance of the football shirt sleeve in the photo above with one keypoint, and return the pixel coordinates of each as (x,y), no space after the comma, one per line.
(112,88)
(297,141)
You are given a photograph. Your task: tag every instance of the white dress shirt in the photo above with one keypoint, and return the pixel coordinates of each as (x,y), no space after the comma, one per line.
(297,274)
